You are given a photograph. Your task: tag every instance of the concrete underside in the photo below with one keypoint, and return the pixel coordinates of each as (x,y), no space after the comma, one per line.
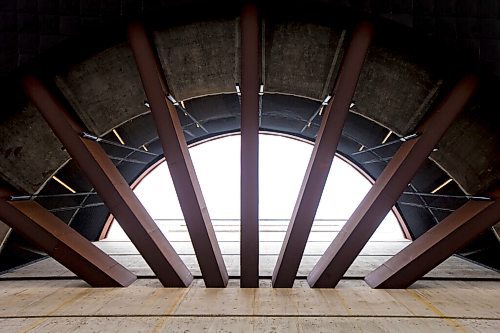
(394,90)
(403,78)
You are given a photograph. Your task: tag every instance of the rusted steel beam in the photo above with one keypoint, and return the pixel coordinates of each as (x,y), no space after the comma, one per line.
(112,188)
(437,244)
(179,161)
(388,187)
(321,158)
(65,245)
(249,236)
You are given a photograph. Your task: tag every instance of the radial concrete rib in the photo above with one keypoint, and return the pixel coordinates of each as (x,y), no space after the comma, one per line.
(179,161)
(437,244)
(112,188)
(249,241)
(388,187)
(65,245)
(321,158)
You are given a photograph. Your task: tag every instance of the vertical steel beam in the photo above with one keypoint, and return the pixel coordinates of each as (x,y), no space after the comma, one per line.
(437,244)
(387,189)
(112,188)
(179,161)
(249,236)
(65,245)
(321,158)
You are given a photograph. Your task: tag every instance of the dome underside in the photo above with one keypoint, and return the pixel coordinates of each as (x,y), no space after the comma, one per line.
(401,82)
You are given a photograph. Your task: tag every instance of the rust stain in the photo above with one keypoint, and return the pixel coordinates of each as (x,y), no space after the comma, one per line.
(452,323)
(161,321)
(69,301)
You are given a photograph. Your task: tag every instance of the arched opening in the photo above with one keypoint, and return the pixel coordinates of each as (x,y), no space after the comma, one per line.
(282,164)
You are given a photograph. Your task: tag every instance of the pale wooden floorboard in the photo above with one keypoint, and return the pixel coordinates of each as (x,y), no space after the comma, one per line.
(435,306)
(443,304)
(245,325)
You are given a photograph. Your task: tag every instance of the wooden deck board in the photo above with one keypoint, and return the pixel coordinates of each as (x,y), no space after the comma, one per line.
(435,306)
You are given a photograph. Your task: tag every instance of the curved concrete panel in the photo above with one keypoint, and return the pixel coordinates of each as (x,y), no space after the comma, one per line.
(200,59)
(105,90)
(30,152)
(300,59)
(394,92)
(470,153)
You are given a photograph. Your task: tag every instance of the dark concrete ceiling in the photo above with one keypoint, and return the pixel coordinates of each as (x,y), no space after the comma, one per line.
(421,48)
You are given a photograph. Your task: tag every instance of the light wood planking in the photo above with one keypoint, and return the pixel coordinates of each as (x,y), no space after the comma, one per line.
(444,306)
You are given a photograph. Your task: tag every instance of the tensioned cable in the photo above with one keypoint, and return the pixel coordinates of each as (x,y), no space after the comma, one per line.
(95,138)
(186,113)
(63,209)
(425,206)
(43,196)
(124,159)
(378,160)
(318,110)
(470,197)
(390,143)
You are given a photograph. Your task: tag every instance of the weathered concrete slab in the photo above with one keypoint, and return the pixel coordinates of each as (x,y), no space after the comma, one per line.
(299,58)
(393,91)
(30,152)
(200,59)
(470,152)
(105,90)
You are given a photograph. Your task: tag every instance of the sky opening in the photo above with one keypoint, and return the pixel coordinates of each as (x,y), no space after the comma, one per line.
(282,164)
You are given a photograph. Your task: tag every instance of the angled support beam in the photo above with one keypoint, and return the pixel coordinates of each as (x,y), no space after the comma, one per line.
(321,158)
(179,161)
(249,241)
(65,245)
(112,188)
(387,189)
(437,244)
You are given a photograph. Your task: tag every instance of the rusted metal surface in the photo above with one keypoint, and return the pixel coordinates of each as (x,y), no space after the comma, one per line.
(249,236)
(321,158)
(61,242)
(437,244)
(112,188)
(179,161)
(388,187)
(109,221)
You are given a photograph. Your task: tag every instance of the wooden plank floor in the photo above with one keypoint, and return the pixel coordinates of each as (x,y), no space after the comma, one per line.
(68,305)
(457,296)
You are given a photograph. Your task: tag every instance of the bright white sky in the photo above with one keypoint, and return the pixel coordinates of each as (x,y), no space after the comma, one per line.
(283,162)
